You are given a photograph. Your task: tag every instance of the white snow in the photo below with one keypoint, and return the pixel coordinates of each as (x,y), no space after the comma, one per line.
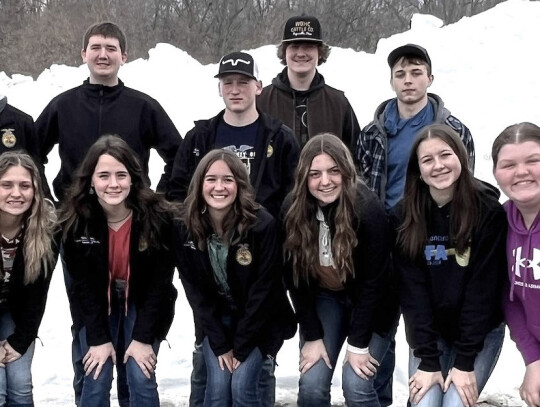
(485,71)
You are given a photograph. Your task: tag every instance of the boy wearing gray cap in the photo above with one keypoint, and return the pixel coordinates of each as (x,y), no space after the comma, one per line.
(299,95)
(383,151)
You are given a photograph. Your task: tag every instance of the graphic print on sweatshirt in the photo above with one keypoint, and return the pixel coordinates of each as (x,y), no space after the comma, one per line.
(526,271)
(437,251)
(239,140)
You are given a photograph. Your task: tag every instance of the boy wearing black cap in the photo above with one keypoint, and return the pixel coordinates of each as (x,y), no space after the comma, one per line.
(384,146)
(270,152)
(298,95)
(266,146)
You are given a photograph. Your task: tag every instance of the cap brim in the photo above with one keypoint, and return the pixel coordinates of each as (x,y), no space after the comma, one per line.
(400,52)
(219,75)
(303,40)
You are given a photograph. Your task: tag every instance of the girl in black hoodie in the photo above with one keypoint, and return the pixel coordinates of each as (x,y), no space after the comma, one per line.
(451,262)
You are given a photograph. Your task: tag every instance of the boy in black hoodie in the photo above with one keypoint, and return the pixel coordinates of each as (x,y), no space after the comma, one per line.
(298,96)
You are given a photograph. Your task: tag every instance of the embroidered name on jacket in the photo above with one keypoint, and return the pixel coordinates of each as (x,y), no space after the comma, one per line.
(87,240)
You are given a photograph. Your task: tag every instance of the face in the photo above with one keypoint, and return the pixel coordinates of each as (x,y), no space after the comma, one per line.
(518,173)
(439,166)
(302,57)
(324,179)
(410,82)
(219,188)
(16,191)
(239,92)
(104,58)
(111,181)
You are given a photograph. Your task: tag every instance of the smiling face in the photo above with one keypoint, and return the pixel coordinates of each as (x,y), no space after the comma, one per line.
(324,179)
(518,173)
(219,188)
(302,57)
(16,191)
(112,182)
(104,58)
(439,167)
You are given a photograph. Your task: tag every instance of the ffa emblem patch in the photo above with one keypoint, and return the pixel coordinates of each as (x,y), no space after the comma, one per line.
(269,151)
(243,255)
(8,138)
(463,259)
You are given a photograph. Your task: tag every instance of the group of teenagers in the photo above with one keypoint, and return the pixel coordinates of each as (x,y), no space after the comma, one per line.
(278,213)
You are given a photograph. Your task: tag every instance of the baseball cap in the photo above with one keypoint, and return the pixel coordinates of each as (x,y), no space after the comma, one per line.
(411,50)
(238,62)
(302,28)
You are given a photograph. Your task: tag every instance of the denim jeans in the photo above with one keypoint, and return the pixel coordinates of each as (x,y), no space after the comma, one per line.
(16,377)
(142,391)
(225,389)
(483,366)
(77,355)
(198,378)
(385,372)
(314,385)
(267,380)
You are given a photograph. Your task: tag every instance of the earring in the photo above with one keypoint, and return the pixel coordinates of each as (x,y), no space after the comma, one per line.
(203,210)
(92,191)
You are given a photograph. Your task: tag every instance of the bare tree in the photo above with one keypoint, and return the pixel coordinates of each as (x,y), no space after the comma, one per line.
(37,33)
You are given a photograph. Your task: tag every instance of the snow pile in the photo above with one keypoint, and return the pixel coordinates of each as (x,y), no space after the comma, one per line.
(484,71)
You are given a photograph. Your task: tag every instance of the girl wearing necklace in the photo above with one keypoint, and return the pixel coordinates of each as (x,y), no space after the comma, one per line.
(450,258)
(337,242)
(29,254)
(229,259)
(117,239)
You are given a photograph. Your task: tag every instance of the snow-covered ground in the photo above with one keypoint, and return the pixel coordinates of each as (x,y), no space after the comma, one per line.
(485,71)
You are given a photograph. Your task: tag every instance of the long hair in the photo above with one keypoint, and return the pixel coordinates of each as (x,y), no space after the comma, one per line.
(39,221)
(301,225)
(150,210)
(243,212)
(417,202)
(515,134)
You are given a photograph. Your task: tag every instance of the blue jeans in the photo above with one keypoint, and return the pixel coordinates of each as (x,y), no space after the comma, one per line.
(314,385)
(223,388)
(16,377)
(198,378)
(77,355)
(142,391)
(267,380)
(483,366)
(385,373)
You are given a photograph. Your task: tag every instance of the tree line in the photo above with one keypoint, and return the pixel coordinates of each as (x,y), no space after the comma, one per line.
(34,34)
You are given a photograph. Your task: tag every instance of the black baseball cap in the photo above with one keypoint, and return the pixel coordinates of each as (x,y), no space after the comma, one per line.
(238,62)
(409,50)
(302,28)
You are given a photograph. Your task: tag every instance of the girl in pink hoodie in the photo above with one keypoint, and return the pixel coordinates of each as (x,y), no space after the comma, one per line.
(516,166)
